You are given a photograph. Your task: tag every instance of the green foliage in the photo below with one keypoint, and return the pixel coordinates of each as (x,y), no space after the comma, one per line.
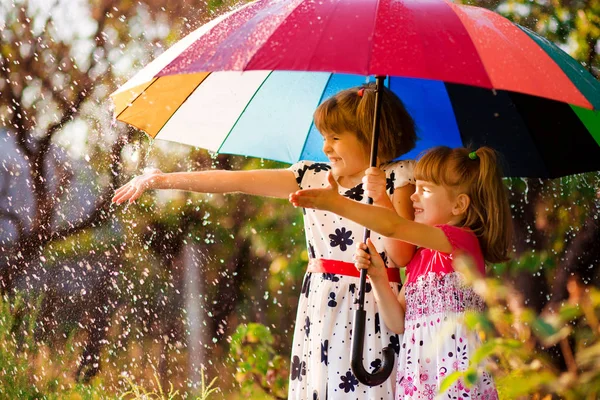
(20,359)
(138,392)
(16,347)
(256,362)
(515,339)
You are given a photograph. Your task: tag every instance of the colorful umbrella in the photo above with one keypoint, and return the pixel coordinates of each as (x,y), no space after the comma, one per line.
(248,82)
(467,75)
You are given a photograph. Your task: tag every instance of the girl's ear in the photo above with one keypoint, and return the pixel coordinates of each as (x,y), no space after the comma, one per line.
(461,205)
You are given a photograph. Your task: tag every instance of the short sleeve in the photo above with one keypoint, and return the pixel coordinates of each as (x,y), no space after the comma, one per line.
(399,174)
(459,238)
(299,169)
(464,241)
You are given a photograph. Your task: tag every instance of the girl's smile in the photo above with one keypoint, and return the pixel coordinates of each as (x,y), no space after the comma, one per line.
(349,157)
(434,204)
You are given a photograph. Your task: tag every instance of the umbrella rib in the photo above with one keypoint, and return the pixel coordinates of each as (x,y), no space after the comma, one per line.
(243,111)
(451,5)
(370,54)
(269,37)
(180,104)
(312,123)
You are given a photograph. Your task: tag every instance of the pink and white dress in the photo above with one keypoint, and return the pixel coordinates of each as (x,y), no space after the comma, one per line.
(436,342)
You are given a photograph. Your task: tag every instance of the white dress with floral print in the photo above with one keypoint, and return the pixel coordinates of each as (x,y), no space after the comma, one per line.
(320,367)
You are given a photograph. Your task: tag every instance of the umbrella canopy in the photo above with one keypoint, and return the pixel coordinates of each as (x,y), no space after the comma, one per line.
(467,75)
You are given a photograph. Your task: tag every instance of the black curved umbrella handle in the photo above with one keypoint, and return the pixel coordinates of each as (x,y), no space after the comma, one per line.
(358,336)
(358,333)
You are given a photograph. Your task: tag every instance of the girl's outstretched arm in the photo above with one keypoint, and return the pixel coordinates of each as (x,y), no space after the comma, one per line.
(379,219)
(268,182)
(388,303)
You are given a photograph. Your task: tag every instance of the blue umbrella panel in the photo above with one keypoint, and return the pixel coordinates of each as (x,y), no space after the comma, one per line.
(269,114)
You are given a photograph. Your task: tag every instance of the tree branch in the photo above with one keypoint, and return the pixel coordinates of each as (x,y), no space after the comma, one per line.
(102,208)
(65,177)
(86,88)
(40,186)
(14,101)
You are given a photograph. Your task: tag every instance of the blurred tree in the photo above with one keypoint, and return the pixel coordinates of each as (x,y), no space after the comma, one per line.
(62,156)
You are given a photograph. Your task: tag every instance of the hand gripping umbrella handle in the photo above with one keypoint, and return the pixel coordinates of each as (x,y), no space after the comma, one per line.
(358,333)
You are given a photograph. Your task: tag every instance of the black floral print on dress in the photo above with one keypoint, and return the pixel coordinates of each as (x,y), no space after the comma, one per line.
(356,193)
(311,249)
(349,382)
(377,323)
(332,302)
(306,285)
(389,182)
(298,368)
(341,238)
(395,343)
(324,350)
(352,288)
(307,326)
(331,277)
(318,167)
(375,365)
(301,172)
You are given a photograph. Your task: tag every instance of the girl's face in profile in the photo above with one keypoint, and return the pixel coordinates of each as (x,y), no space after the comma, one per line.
(348,156)
(433,204)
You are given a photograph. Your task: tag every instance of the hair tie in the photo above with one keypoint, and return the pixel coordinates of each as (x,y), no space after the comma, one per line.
(473,155)
(361,92)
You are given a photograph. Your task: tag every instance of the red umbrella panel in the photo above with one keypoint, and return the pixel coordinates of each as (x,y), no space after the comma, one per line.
(428,39)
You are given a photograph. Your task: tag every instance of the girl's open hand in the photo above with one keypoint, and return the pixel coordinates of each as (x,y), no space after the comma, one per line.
(321,199)
(132,190)
(374,184)
(371,260)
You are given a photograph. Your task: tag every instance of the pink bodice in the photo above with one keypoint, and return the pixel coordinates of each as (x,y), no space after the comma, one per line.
(463,240)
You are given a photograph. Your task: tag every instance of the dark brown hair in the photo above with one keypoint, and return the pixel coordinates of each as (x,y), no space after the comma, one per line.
(477,174)
(348,111)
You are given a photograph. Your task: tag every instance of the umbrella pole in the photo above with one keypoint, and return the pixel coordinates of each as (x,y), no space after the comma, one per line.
(358,333)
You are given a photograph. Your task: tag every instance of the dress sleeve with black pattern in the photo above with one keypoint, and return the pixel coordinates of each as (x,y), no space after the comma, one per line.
(299,169)
(399,174)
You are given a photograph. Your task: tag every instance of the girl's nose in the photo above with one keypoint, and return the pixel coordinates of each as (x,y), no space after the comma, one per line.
(326,147)
(413,197)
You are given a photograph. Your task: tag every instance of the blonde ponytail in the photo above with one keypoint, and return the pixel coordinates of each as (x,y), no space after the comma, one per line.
(489,201)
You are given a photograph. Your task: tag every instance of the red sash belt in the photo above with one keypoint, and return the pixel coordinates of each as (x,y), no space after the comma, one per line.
(321,265)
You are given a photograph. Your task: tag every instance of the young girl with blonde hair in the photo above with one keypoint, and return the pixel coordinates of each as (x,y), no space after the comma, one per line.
(461,207)
(320,367)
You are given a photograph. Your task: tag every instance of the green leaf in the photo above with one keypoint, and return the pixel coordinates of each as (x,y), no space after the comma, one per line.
(484,351)
(543,329)
(450,380)
(569,312)
(471,377)
(474,320)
